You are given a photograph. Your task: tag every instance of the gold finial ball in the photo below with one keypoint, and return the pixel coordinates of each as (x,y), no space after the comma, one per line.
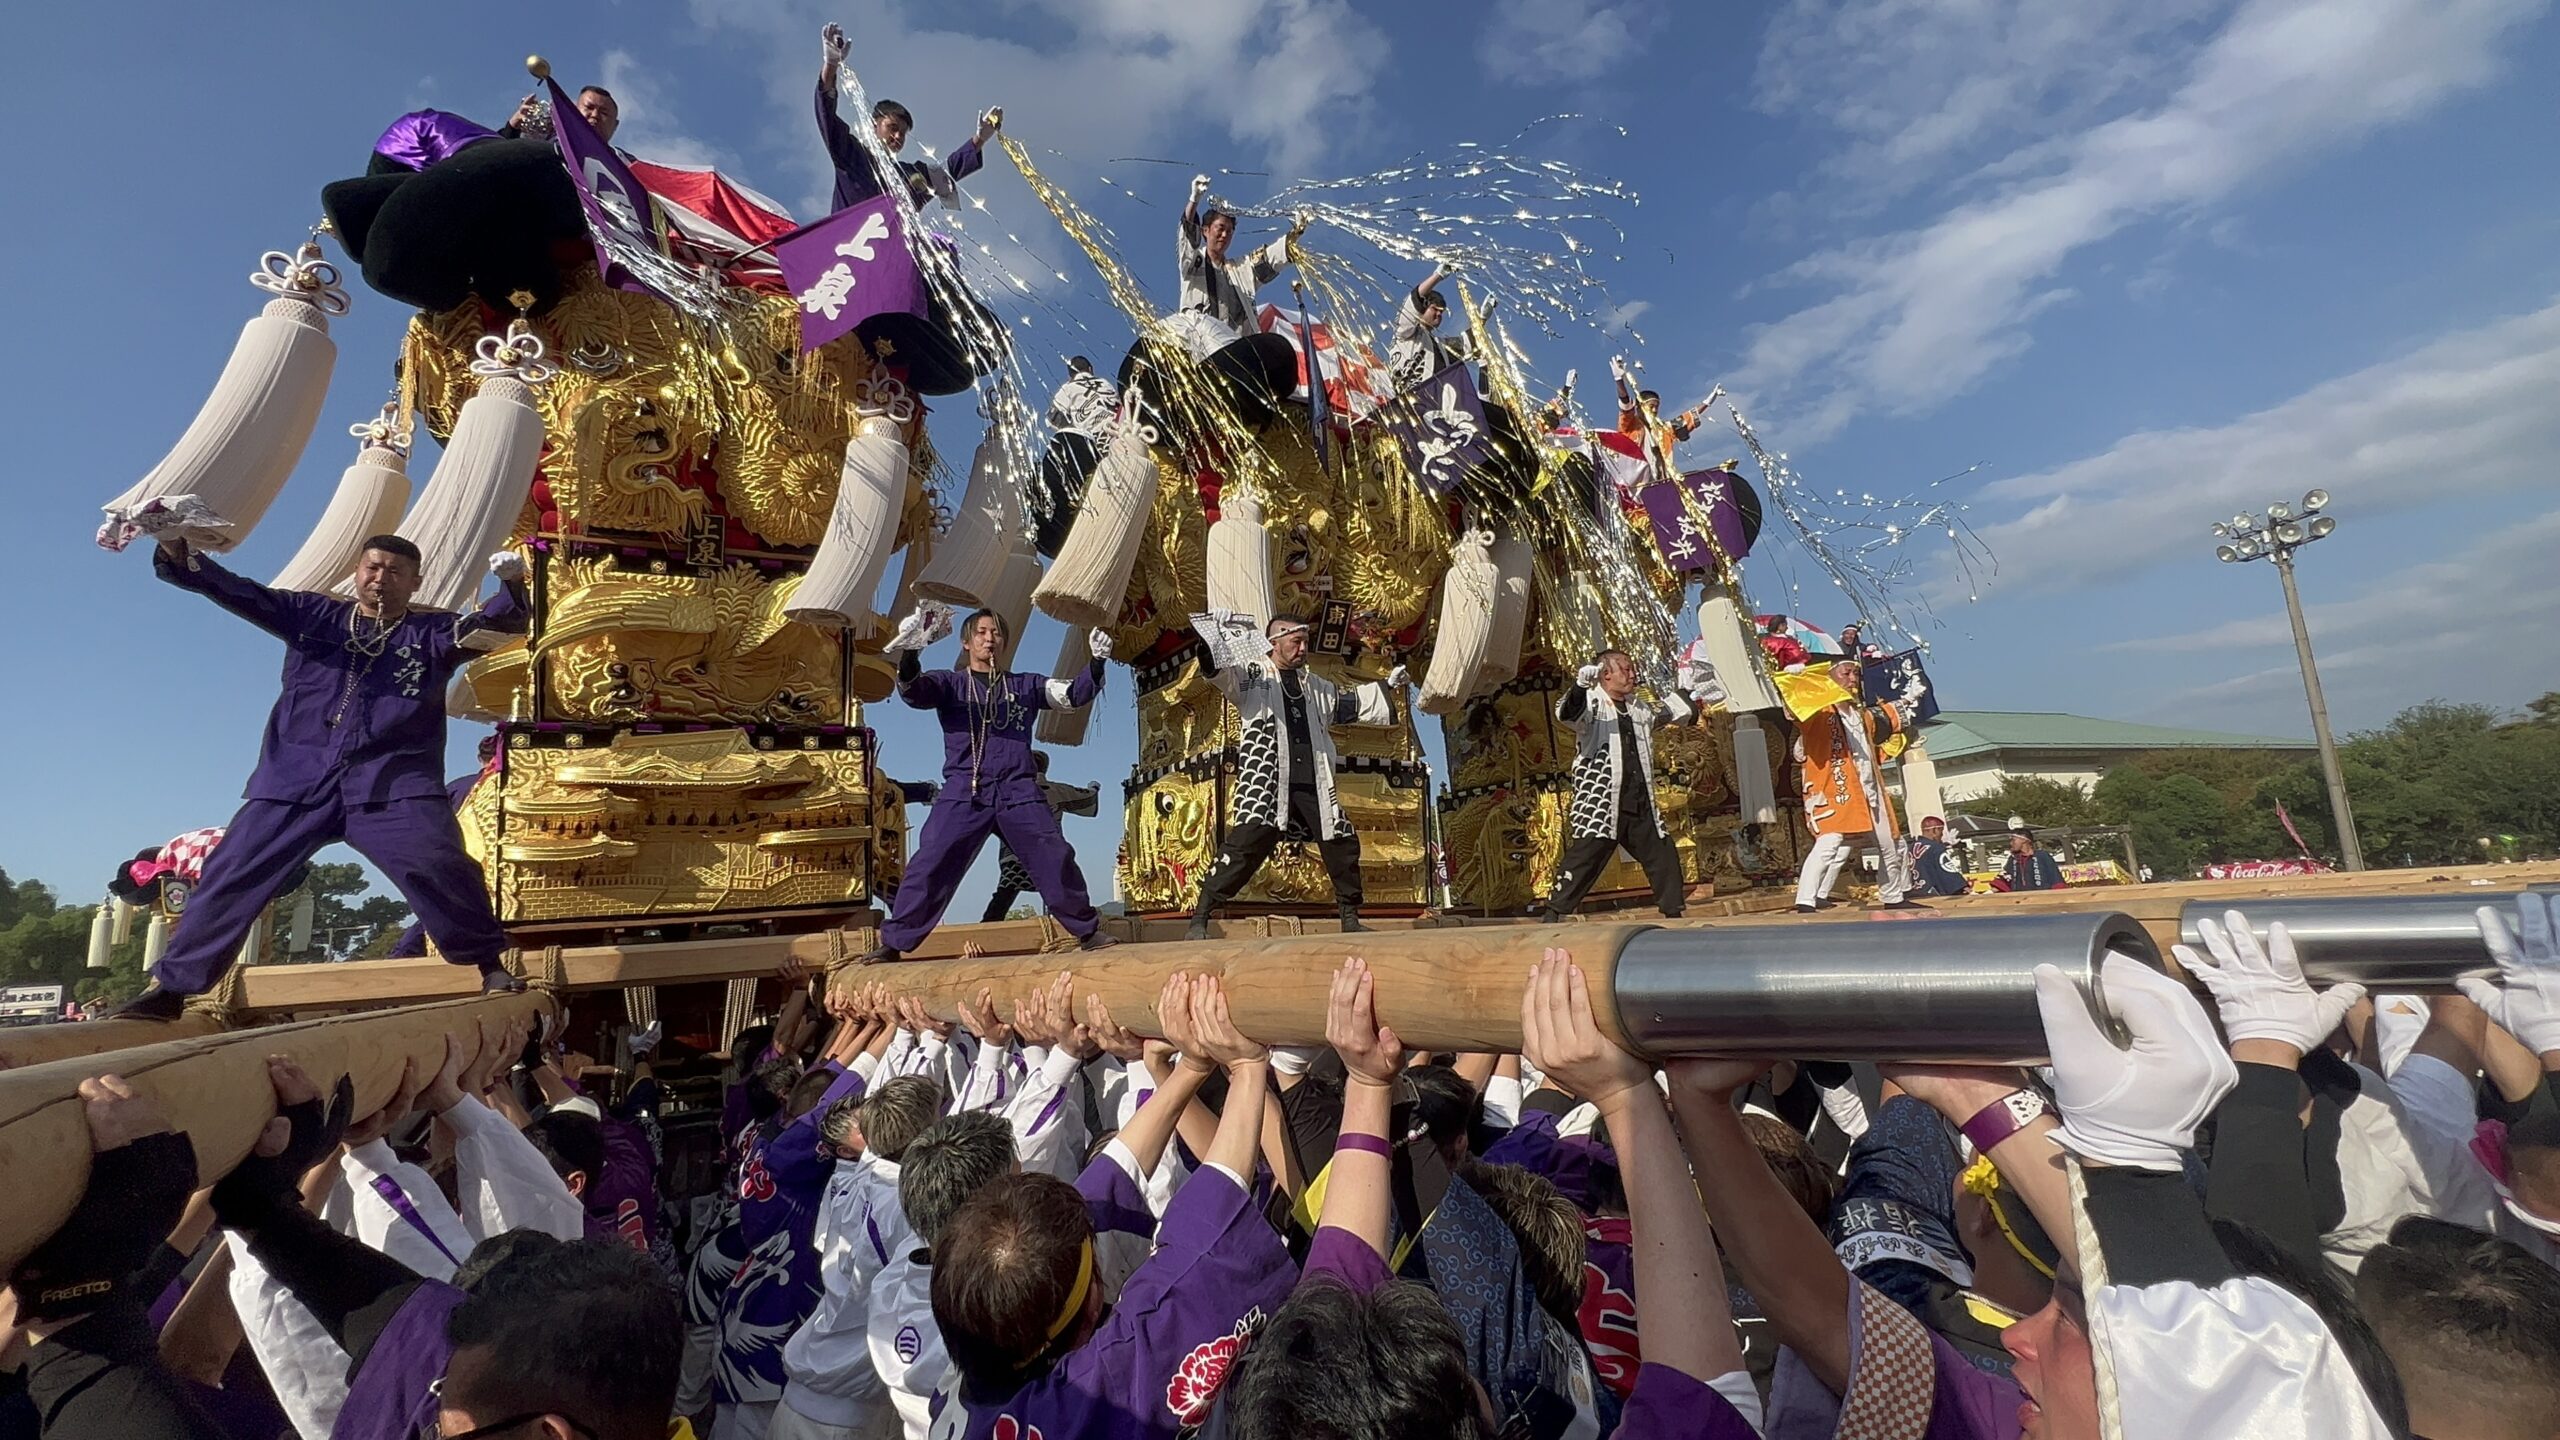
(540,67)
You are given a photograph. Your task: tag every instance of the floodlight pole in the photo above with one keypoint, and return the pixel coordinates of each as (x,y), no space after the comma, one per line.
(2350,851)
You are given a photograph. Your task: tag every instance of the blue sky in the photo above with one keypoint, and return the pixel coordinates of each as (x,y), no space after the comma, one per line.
(2149,260)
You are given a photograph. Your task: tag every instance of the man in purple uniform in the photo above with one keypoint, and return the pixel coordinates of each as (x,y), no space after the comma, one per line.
(858,175)
(354,751)
(990,784)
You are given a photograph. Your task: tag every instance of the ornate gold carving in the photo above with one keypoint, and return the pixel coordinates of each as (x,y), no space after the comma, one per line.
(620,645)
(626,448)
(780,455)
(667,825)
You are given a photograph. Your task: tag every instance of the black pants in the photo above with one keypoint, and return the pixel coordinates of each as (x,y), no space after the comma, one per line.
(1249,845)
(1638,836)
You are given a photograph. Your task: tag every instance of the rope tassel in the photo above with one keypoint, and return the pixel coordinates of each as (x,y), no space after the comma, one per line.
(370,496)
(1240,559)
(1512,561)
(477,492)
(242,445)
(970,560)
(1090,576)
(1468,619)
(853,557)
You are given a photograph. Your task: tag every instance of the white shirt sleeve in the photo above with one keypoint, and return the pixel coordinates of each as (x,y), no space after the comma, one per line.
(504,1182)
(305,1368)
(2440,1117)
(900,1054)
(1502,1101)
(434,1252)
(1048,1123)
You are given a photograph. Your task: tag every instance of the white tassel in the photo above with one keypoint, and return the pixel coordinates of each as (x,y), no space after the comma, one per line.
(1012,600)
(1921,795)
(124,921)
(844,577)
(478,489)
(1512,561)
(1240,559)
(1090,577)
(155,940)
(1751,784)
(1735,652)
(1465,635)
(102,929)
(970,558)
(371,494)
(1066,727)
(462,698)
(238,451)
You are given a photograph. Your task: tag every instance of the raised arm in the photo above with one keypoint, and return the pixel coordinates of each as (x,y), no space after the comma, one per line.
(1077,692)
(1355,1193)
(285,614)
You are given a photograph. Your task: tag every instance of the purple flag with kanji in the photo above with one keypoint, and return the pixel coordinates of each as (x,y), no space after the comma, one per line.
(1687,511)
(1443,427)
(849,267)
(621,218)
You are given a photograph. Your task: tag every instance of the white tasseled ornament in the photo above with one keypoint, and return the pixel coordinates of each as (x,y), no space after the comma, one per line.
(1066,727)
(102,930)
(1751,782)
(1512,561)
(1465,634)
(1012,599)
(1921,796)
(1725,633)
(478,489)
(1240,559)
(245,441)
(155,940)
(371,494)
(913,561)
(844,577)
(1090,576)
(462,701)
(969,560)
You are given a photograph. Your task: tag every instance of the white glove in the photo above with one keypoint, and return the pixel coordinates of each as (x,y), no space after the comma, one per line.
(2260,990)
(1587,676)
(1099,644)
(831,40)
(911,631)
(1398,678)
(1298,224)
(990,120)
(2525,998)
(2135,1106)
(1618,366)
(507,565)
(1199,187)
(1688,676)
(1570,376)
(644,1041)
(1489,302)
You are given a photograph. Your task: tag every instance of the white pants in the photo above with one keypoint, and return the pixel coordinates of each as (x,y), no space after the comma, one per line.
(1822,866)
(1893,868)
(743,1422)
(693,1381)
(876,1424)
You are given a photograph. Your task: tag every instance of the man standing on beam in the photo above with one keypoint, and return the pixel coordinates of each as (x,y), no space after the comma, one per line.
(1612,807)
(990,783)
(354,751)
(1284,767)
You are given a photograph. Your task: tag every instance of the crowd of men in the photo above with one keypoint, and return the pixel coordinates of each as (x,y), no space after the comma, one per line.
(2254,1207)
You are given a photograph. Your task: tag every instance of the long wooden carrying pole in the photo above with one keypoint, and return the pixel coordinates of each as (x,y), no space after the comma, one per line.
(215,1088)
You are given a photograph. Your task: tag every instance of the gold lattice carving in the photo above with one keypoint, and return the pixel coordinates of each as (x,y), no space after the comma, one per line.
(624,449)
(633,645)
(779,458)
(665,825)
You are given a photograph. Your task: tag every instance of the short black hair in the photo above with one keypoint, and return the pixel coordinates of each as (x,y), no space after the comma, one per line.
(1079,364)
(1653,395)
(2468,1317)
(769,1084)
(892,110)
(597,90)
(896,1113)
(1337,1362)
(573,1143)
(499,1249)
(400,545)
(2256,1255)
(953,1159)
(811,1088)
(1003,1273)
(587,1329)
(1004,627)
(1447,1105)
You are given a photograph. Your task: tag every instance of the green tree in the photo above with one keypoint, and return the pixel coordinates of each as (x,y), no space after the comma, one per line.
(2036,800)
(347,922)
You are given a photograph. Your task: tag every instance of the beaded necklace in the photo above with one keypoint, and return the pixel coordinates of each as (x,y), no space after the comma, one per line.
(370,645)
(983,706)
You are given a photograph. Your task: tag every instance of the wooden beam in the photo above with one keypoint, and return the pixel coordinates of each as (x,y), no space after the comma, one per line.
(25,1045)
(214,1088)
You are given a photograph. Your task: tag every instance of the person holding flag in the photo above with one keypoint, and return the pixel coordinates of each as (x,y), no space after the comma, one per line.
(1416,350)
(1840,748)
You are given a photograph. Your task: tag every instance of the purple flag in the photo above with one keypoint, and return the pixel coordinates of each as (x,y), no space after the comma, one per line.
(849,267)
(1896,675)
(1676,508)
(1443,427)
(621,218)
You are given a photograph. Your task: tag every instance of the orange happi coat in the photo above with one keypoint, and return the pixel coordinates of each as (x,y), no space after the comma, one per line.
(1843,782)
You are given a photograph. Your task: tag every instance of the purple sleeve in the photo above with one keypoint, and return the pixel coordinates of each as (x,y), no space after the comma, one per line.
(965,160)
(1668,1403)
(281,613)
(505,613)
(1113,1200)
(793,1159)
(927,691)
(1347,1258)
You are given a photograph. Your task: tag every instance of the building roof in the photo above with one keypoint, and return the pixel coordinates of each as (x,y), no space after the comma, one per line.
(1956,734)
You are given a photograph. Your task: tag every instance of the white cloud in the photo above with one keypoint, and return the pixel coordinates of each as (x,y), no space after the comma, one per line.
(1556,42)
(2401,638)
(650,127)
(2469,413)
(1191,79)
(1917,317)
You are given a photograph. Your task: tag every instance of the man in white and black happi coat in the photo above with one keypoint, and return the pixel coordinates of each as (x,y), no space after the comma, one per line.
(1284,768)
(1613,785)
